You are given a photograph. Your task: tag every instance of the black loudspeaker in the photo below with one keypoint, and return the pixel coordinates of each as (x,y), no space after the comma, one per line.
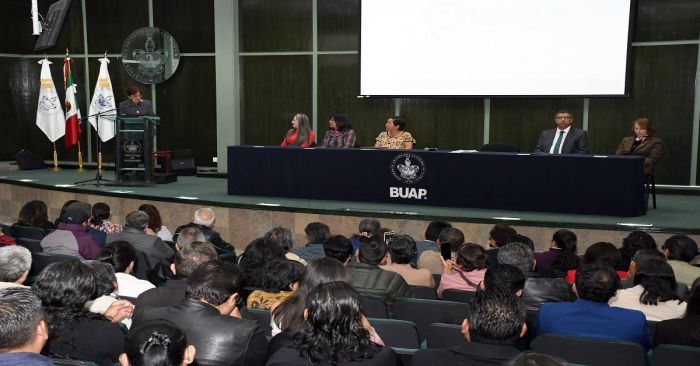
(183,166)
(29,160)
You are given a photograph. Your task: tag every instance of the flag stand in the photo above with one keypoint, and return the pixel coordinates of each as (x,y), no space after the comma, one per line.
(55,160)
(80,160)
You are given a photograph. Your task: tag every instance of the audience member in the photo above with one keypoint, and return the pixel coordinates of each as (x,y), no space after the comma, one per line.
(644,255)
(23,329)
(684,331)
(605,254)
(6,240)
(155,223)
(338,247)
(156,343)
(253,259)
(210,317)
(316,234)
(635,241)
(590,316)
(370,280)
(499,236)
(122,256)
(63,211)
(71,237)
(283,237)
(172,292)
(335,333)
(504,278)
(204,219)
(15,263)
(654,293)
(432,233)
(189,235)
(402,251)
(105,289)
(280,278)
(100,220)
(367,228)
(467,272)
(135,225)
(561,256)
(64,288)
(432,260)
(35,214)
(495,321)
(680,250)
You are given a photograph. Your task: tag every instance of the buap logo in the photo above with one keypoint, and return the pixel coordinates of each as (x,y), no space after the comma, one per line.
(408,168)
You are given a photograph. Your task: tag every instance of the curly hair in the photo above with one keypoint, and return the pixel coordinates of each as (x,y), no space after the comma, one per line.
(657,278)
(257,253)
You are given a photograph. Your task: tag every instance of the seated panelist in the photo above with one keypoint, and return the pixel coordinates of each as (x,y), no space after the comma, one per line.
(300,135)
(340,133)
(395,137)
(564,139)
(642,143)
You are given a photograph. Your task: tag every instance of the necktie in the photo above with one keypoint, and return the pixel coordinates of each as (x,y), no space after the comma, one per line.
(557,144)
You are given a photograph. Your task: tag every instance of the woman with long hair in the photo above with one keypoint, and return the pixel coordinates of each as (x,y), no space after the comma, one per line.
(466,272)
(122,256)
(340,133)
(157,343)
(259,252)
(300,135)
(35,214)
(333,332)
(561,256)
(155,223)
(684,331)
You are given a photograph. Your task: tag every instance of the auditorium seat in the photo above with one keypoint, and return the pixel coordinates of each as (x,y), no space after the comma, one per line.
(396,333)
(457,295)
(65,362)
(441,335)
(650,188)
(588,351)
(7,230)
(425,312)
(424,292)
(29,232)
(674,355)
(32,244)
(373,307)
(263,317)
(41,259)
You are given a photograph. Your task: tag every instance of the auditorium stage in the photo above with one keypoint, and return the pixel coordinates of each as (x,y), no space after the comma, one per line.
(243,218)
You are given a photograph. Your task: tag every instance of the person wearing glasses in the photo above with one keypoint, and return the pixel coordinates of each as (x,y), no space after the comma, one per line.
(564,139)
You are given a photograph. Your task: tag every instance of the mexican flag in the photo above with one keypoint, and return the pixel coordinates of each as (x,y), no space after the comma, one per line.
(72,111)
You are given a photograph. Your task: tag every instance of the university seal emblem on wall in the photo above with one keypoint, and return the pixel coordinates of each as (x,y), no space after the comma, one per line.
(150,55)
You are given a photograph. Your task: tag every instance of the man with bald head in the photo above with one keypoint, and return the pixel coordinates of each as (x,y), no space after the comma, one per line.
(204,219)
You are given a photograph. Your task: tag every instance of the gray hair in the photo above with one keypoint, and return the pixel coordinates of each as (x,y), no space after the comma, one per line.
(204,211)
(282,236)
(189,235)
(15,260)
(517,254)
(136,220)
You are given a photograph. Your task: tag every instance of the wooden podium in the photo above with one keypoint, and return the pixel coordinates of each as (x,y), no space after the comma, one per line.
(134,139)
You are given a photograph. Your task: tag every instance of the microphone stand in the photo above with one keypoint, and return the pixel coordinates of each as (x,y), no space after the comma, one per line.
(98,176)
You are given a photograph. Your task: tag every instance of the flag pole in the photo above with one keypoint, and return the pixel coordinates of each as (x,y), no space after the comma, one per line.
(55,160)
(80,159)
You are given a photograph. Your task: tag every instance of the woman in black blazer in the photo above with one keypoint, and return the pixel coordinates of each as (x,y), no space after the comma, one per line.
(686,330)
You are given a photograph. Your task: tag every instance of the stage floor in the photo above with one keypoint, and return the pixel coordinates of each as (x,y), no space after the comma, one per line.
(675,213)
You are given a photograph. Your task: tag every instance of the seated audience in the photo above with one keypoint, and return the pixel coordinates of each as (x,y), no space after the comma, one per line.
(537,359)
(283,237)
(301,134)
(6,240)
(172,292)
(211,318)
(253,259)
(63,210)
(654,293)
(680,250)
(395,137)
(538,290)
(467,272)
(35,214)
(155,343)
(684,331)
(644,255)
(432,259)
(316,233)
(495,321)
(590,316)
(340,133)
(370,280)
(204,220)
(432,233)
(561,256)
(15,263)
(634,241)
(402,251)
(334,333)
(338,247)
(155,223)
(122,256)
(100,220)
(280,278)
(603,253)
(105,289)
(135,227)
(23,330)
(71,237)
(504,278)
(189,235)
(64,288)
(367,228)
(499,236)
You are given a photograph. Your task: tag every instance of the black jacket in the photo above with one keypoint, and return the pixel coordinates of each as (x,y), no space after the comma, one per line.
(171,293)
(539,290)
(222,247)
(468,353)
(373,281)
(219,339)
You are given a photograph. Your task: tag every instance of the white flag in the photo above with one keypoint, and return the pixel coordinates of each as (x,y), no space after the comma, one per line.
(103,101)
(49,113)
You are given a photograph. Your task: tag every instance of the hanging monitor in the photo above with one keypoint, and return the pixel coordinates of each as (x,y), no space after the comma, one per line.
(52,24)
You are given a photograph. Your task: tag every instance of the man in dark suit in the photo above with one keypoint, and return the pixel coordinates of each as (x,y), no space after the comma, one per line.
(565,139)
(495,320)
(135,106)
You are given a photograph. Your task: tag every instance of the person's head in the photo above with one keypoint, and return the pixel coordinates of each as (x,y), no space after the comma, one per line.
(494,317)
(339,122)
(33,213)
(643,255)
(74,216)
(566,259)
(105,278)
(190,256)
(635,241)
(369,225)
(317,232)
(68,284)
(372,253)
(64,208)
(302,125)
(217,284)
(338,247)
(253,259)
(119,254)
(471,257)
(394,124)
(136,220)
(134,94)
(522,239)
(15,262)
(154,220)
(451,235)
(157,343)
(563,119)
(642,127)
(604,253)
(693,301)
(402,249)
(500,235)
(100,212)
(517,254)
(432,232)
(204,216)
(505,278)
(596,282)
(657,278)
(22,324)
(282,275)
(680,248)
(189,235)
(282,236)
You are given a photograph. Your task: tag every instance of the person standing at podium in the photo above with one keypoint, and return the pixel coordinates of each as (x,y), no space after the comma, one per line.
(135,106)
(564,139)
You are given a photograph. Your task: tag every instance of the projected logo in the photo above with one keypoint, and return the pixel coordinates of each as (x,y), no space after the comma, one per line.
(408,168)
(150,55)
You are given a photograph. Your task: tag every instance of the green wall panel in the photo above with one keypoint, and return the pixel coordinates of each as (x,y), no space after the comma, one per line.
(193,32)
(274,25)
(338,25)
(445,123)
(110,22)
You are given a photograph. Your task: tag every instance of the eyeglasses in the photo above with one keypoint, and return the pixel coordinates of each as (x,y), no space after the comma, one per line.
(564,117)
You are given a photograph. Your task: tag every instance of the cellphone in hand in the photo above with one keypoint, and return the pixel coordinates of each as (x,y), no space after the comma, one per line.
(388,236)
(445,251)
